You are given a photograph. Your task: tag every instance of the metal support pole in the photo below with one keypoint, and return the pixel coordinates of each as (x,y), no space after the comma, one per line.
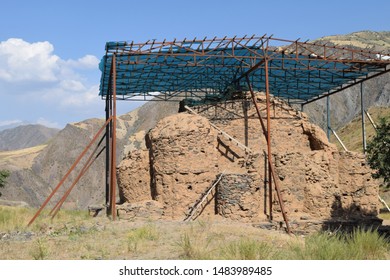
(328,129)
(245,111)
(108,148)
(268,137)
(113,143)
(363,119)
(276,182)
(265,181)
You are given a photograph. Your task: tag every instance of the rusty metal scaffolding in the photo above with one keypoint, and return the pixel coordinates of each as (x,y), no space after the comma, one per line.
(206,70)
(298,71)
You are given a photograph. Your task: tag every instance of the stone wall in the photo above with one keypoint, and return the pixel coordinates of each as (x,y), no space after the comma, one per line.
(238,197)
(134,173)
(324,185)
(184,161)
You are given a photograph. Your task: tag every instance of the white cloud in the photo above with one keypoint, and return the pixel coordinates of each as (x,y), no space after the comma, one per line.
(45,122)
(32,70)
(86,62)
(10,122)
(84,98)
(72,85)
(23,61)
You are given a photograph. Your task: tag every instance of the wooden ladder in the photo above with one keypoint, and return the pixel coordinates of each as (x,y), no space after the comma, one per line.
(198,204)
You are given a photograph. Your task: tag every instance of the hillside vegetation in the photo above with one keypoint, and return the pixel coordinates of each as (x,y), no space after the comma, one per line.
(22,158)
(361,39)
(351,134)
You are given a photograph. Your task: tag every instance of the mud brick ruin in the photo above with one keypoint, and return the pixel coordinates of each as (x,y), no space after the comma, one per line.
(192,164)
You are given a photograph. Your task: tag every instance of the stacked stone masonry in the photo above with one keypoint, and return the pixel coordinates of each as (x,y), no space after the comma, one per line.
(185,154)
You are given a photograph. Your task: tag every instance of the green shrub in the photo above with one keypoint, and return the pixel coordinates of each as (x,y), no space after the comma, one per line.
(40,250)
(247,249)
(195,246)
(3,178)
(321,246)
(378,152)
(359,245)
(368,245)
(137,236)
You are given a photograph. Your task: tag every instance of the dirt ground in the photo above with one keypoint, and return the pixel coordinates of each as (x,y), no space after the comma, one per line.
(100,238)
(76,235)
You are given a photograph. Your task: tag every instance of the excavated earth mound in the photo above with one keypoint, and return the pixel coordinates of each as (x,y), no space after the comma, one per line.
(196,165)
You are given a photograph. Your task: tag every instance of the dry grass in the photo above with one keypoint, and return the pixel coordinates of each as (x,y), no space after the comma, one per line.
(351,134)
(22,158)
(74,235)
(385,216)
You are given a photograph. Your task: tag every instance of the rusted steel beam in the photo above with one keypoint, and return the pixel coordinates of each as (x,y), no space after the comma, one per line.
(279,194)
(269,157)
(107,163)
(254,68)
(85,168)
(151,45)
(69,171)
(257,108)
(266,62)
(347,86)
(113,142)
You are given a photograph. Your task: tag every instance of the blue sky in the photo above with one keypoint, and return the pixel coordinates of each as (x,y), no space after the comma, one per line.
(49,50)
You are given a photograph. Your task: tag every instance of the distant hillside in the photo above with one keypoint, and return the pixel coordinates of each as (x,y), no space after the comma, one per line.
(12,124)
(351,134)
(345,105)
(25,136)
(379,41)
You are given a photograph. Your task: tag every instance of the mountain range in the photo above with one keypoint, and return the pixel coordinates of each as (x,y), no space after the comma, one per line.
(25,136)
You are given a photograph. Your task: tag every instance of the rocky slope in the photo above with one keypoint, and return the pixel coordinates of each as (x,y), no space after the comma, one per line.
(25,136)
(345,105)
